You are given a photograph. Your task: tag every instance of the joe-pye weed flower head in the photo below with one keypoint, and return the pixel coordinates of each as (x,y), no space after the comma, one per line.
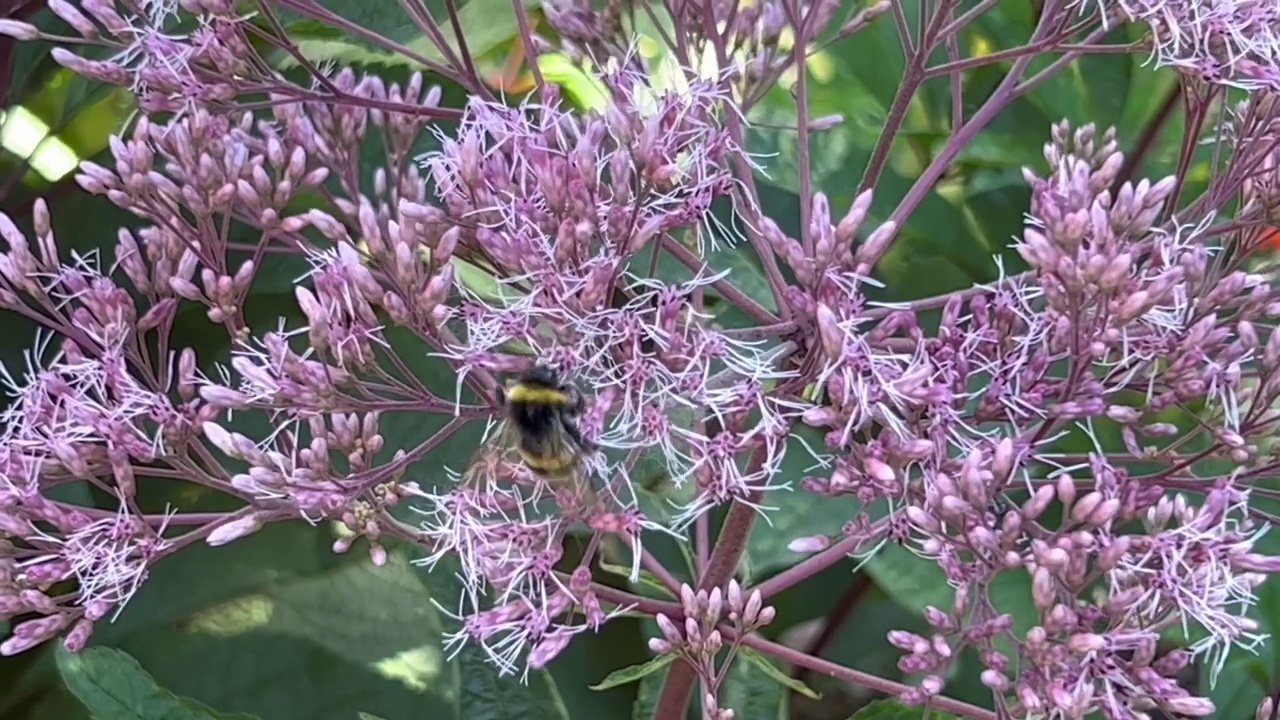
(1090,423)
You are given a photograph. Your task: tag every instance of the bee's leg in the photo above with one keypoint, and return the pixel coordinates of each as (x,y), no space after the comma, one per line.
(578,404)
(575,435)
(501,396)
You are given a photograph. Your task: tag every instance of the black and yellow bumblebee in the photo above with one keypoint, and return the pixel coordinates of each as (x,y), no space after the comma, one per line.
(541,423)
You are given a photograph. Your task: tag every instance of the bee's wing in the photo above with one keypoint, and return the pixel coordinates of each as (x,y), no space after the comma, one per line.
(495,451)
(497,459)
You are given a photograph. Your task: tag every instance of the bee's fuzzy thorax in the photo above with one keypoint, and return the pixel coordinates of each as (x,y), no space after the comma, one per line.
(524,392)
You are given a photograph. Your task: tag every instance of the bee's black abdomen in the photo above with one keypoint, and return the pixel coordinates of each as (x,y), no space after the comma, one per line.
(533,420)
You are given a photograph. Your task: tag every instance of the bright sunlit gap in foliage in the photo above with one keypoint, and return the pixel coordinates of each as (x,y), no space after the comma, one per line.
(25,135)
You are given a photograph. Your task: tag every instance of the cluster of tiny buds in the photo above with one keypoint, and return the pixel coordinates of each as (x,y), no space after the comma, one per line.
(932,656)
(363,518)
(697,639)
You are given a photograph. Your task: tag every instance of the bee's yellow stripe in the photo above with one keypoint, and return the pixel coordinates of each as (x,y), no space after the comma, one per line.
(537,395)
(546,463)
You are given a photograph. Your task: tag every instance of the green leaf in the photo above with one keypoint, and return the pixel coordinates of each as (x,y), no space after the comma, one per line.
(485,696)
(766,666)
(589,659)
(367,716)
(645,578)
(486,24)
(30,62)
(772,135)
(751,692)
(196,706)
(481,693)
(745,272)
(278,626)
(647,696)
(916,583)
(113,686)
(798,513)
(859,643)
(912,581)
(631,674)
(1093,88)
(583,88)
(874,60)
(995,201)
(1247,678)
(894,710)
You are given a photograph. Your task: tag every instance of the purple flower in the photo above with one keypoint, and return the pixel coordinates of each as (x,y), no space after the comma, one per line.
(1234,42)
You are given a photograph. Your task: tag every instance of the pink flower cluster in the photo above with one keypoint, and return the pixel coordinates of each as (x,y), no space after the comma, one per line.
(1234,42)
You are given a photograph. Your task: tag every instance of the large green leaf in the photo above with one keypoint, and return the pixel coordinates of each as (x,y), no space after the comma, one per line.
(485,696)
(591,658)
(860,642)
(995,202)
(113,686)
(917,583)
(873,58)
(31,61)
(798,513)
(481,693)
(278,626)
(814,599)
(752,691)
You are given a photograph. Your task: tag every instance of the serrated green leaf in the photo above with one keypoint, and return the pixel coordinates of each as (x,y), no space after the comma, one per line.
(483,695)
(916,583)
(628,675)
(745,272)
(113,686)
(589,659)
(766,666)
(859,643)
(771,135)
(198,706)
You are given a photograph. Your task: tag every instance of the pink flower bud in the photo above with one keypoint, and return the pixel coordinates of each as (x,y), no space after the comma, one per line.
(1085,505)
(18,30)
(871,250)
(1042,589)
(812,543)
(830,332)
(234,530)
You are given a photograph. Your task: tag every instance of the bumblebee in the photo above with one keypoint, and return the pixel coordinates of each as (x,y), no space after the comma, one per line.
(542,411)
